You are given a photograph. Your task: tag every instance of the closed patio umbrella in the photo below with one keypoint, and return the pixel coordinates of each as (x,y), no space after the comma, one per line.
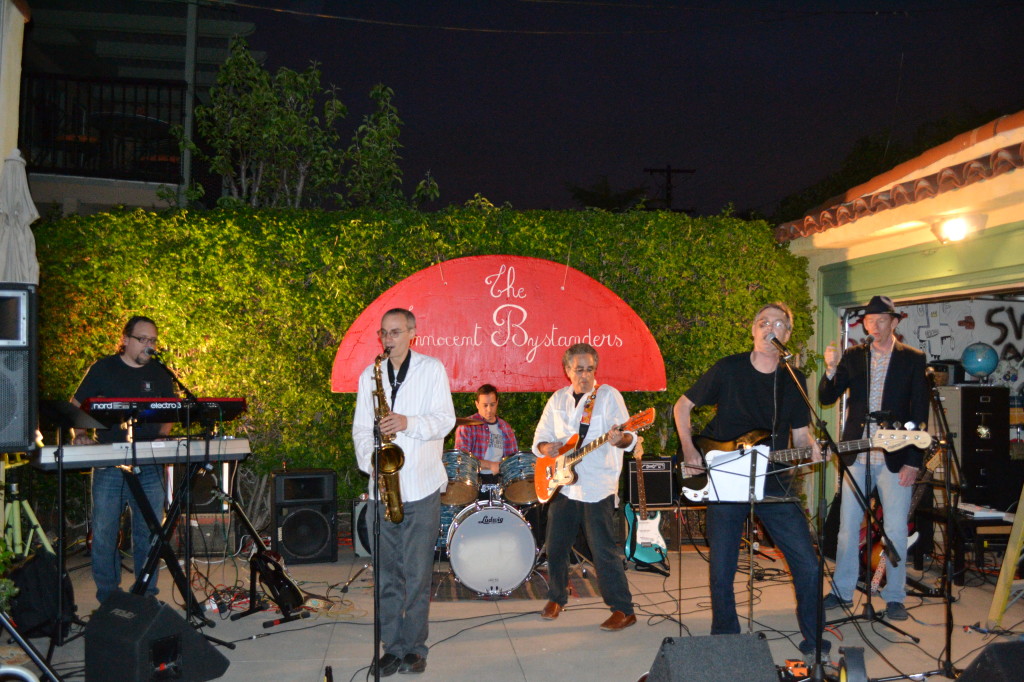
(17,211)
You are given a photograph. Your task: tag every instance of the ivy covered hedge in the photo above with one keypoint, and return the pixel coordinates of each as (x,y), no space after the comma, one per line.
(256,304)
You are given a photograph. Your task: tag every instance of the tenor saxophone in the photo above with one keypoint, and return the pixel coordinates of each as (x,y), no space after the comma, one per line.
(391,457)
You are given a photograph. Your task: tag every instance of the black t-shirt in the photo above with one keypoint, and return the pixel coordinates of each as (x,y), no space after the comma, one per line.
(746,400)
(111,377)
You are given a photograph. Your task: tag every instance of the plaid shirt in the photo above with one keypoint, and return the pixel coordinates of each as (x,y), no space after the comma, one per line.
(477,439)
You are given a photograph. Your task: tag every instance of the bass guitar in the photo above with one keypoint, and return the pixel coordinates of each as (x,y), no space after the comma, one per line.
(268,566)
(727,464)
(645,546)
(551,473)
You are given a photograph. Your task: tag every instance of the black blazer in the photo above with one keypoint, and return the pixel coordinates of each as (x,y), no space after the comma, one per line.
(905,395)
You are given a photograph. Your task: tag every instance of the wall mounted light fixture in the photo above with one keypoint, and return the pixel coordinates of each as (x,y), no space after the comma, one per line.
(955,228)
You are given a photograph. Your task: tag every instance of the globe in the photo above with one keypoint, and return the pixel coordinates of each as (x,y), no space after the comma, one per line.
(979,359)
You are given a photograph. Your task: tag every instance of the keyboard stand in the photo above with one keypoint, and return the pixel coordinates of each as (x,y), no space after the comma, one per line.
(161,548)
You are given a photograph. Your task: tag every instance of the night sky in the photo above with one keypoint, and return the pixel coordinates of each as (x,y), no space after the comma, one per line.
(514,99)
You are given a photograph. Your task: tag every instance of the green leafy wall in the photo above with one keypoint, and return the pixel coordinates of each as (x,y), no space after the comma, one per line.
(255,304)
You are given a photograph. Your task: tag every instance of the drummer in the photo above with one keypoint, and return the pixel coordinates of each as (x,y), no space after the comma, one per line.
(490,440)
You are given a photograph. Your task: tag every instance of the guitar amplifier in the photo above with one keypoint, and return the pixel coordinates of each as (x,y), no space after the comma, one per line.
(658,487)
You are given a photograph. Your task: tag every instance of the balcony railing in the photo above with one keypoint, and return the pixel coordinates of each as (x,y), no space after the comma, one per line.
(104,128)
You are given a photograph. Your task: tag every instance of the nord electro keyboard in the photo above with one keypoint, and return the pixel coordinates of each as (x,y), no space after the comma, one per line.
(163,410)
(148,452)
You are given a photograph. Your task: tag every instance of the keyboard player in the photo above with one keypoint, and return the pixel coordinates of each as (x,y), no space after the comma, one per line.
(129,373)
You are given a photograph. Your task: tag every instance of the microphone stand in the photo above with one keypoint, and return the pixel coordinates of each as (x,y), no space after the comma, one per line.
(817,672)
(376,548)
(63,415)
(949,464)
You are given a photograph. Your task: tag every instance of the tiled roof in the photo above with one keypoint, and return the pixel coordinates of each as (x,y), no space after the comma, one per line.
(884,192)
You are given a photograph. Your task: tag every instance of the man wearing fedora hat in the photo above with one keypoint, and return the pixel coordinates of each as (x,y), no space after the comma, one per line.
(886,376)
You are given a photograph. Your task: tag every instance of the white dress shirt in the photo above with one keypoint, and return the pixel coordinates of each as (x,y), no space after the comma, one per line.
(426,401)
(598,472)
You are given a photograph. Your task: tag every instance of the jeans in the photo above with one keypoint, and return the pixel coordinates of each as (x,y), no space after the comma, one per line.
(895,500)
(110,493)
(406,561)
(564,519)
(788,528)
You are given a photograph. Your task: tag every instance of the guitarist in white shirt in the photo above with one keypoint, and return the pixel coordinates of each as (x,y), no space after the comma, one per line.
(592,499)
(752,391)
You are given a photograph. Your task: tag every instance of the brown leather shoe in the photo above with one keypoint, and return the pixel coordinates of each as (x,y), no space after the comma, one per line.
(618,621)
(551,610)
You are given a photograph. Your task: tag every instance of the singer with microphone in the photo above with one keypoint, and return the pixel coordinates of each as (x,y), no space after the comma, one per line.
(127,374)
(752,391)
(884,375)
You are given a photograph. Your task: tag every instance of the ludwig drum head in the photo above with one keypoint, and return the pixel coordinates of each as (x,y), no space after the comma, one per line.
(491,548)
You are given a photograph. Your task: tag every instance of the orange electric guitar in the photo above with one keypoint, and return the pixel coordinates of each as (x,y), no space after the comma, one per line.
(551,473)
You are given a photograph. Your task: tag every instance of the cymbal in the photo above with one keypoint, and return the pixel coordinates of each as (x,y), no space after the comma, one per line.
(468,421)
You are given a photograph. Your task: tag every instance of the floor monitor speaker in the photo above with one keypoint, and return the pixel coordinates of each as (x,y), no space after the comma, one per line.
(135,638)
(712,658)
(998,662)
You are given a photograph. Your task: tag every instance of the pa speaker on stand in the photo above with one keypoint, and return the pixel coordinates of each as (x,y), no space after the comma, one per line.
(18,358)
(305,508)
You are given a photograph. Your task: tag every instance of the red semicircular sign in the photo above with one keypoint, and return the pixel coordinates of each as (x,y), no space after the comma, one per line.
(507,320)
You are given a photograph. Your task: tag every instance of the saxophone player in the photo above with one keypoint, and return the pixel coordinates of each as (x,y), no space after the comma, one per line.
(417,415)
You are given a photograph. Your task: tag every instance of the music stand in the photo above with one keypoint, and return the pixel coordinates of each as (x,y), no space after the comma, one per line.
(62,415)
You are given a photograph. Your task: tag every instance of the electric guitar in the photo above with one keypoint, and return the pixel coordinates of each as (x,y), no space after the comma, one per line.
(727,465)
(645,545)
(268,565)
(551,473)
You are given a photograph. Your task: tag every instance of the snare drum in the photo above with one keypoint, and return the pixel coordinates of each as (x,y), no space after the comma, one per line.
(491,548)
(517,478)
(463,471)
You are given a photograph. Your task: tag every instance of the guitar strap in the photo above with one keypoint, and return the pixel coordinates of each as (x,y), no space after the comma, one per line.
(588,411)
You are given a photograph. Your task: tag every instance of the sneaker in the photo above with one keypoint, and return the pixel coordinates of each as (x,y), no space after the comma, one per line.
(834,601)
(896,611)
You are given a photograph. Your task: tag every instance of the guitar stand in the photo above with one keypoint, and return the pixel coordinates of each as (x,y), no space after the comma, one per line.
(257,605)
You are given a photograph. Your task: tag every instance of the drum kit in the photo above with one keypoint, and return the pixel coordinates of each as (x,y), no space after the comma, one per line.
(489,542)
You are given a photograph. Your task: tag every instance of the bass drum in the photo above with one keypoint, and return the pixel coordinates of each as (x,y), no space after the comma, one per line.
(491,548)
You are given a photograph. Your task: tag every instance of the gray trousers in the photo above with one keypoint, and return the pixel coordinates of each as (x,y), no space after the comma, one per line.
(406,561)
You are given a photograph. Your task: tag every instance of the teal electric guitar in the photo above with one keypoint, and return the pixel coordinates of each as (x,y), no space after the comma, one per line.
(645,546)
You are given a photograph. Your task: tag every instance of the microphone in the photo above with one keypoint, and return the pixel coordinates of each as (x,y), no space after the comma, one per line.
(153,353)
(786,355)
(869,340)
